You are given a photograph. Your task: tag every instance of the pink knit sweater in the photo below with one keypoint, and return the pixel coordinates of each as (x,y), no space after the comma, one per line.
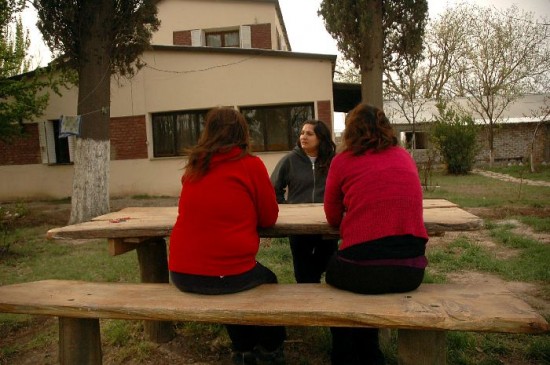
(374,195)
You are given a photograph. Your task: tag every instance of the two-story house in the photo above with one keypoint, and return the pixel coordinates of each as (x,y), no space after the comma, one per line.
(206,53)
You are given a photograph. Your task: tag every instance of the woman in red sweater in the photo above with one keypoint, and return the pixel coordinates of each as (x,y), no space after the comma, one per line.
(373,193)
(226,194)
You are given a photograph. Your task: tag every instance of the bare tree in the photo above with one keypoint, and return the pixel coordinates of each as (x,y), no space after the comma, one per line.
(419,80)
(506,54)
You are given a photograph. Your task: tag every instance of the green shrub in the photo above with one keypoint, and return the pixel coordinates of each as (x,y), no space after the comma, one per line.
(454,136)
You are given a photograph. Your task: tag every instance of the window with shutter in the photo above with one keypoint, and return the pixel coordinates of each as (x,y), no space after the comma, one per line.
(54,150)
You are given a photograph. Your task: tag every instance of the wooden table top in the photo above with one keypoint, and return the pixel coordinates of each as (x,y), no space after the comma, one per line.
(140,222)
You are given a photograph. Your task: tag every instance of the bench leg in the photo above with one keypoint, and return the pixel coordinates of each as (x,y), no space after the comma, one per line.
(421,347)
(153,265)
(79,341)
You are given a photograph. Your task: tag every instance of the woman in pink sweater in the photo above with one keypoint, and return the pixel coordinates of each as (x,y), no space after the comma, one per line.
(226,194)
(373,194)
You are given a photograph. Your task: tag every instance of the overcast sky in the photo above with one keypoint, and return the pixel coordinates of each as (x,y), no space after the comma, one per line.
(305,29)
(307,32)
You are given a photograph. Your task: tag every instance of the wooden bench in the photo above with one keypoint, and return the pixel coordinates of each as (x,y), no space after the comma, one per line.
(422,317)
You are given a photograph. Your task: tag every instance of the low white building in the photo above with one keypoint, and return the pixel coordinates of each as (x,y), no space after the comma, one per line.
(206,53)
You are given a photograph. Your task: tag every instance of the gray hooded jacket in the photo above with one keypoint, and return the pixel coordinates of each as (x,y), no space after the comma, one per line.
(301,180)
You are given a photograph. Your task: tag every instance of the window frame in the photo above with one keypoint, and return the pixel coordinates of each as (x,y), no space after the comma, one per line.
(294,119)
(55,150)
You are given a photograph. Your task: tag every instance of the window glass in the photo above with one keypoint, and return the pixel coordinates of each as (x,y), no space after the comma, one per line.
(163,132)
(231,39)
(223,39)
(276,128)
(273,128)
(173,133)
(213,40)
(419,142)
(61,145)
(254,119)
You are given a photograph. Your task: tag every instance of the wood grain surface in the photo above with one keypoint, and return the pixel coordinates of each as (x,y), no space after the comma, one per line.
(431,307)
(136,222)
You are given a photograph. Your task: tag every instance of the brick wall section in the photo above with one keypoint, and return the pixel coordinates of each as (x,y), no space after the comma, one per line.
(24,150)
(511,142)
(182,38)
(514,141)
(261,35)
(128,138)
(324,112)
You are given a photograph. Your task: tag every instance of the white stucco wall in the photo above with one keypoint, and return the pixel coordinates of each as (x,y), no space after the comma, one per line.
(159,177)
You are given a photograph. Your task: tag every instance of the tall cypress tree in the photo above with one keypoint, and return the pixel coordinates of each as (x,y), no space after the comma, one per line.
(374,35)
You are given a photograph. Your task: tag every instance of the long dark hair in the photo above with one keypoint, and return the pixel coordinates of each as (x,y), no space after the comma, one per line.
(367,128)
(327,147)
(224,128)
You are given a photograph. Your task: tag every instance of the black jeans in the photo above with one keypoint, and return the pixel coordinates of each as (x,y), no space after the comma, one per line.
(310,256)
(359,346)
(243,337)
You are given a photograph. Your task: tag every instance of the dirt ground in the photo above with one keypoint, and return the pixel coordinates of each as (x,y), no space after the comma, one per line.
(175,351)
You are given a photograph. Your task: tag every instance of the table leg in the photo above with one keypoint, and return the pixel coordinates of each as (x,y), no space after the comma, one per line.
(416,347)
(153,264)
(79,341)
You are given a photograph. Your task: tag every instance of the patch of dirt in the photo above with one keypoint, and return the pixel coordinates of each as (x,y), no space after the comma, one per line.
(178,350)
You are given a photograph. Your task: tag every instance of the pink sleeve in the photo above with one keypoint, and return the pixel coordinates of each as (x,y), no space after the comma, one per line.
(333,201)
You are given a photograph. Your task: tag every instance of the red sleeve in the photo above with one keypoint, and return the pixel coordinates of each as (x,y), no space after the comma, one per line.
(333,200)
(267,208)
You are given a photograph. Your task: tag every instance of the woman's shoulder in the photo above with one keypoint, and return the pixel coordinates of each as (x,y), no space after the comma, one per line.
(341,156)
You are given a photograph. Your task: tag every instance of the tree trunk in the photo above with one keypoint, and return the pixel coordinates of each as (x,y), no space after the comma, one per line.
(91,180)
(372,65)
(92,151)
(532,149)
(491,145)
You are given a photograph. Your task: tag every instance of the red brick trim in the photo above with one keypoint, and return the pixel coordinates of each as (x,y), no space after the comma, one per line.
(182,38)
(261,36)
(324,112)
(128,138)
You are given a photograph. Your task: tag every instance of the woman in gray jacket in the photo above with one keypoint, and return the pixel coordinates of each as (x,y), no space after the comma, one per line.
(300,177)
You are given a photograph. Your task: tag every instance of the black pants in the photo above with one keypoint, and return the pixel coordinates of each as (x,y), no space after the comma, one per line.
(243,337)
(310,256)
(359,346)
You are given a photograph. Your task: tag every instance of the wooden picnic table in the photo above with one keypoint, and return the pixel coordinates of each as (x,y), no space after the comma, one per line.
(145,229)
(134,223)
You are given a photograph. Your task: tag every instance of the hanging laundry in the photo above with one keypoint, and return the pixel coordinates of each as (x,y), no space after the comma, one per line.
(70,126)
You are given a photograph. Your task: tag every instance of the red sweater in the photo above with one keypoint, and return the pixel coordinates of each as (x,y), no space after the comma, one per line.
(374,195)
(218,215)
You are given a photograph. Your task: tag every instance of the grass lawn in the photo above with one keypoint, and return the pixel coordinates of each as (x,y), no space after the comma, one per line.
(500,253)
